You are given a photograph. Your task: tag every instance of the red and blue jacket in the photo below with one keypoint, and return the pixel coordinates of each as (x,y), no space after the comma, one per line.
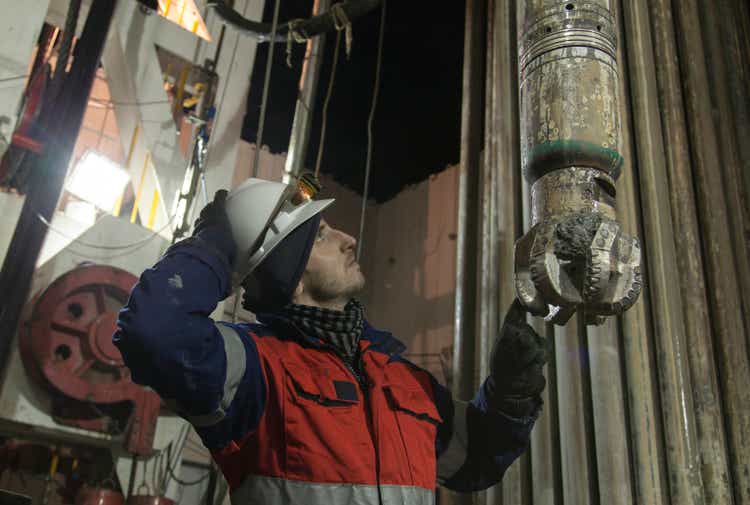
(286,419)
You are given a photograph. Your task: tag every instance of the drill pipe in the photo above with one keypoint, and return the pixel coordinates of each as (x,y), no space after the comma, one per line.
(576,256)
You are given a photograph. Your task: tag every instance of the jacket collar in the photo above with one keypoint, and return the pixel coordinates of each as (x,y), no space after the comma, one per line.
(379,340)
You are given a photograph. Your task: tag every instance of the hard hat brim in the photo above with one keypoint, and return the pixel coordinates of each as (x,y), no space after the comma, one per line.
(284,224)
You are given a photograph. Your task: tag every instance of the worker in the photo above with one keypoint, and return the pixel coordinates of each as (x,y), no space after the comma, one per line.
(311,404)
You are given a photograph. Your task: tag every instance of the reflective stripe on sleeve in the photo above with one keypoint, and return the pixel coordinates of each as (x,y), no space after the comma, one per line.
(236,363)
(271,490)
(455,455)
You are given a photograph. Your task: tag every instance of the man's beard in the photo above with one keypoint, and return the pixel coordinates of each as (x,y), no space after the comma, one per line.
(326,290)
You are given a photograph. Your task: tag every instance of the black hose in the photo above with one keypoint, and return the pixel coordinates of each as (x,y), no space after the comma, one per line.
(322,23)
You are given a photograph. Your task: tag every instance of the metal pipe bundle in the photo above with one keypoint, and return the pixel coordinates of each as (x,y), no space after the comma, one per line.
(576,256)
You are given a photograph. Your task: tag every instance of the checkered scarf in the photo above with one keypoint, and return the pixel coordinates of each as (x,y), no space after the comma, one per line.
(341,329)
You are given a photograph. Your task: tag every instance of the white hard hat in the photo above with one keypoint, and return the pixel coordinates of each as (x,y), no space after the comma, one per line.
(262,213)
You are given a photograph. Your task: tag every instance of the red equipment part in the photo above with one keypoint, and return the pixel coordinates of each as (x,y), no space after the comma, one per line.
(99,496)
(67,343)
(149,500)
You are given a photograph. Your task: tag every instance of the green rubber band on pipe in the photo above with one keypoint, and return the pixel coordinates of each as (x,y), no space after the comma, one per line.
(550,156)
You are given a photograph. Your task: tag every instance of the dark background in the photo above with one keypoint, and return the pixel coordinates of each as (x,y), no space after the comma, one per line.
(417,123)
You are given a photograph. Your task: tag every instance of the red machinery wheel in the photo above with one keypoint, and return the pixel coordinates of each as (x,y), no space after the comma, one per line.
(68,342)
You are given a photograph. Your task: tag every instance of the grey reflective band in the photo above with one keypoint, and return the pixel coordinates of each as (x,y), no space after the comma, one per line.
(236,362)
(454,456)
(271,490)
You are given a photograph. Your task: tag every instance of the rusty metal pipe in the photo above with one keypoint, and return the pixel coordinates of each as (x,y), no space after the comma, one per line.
(578,471)
(610,420)
(636,335)
(467,241)
(723,289)
(575,257)
(683,462)
(729,145)
(706,395)
(503,148)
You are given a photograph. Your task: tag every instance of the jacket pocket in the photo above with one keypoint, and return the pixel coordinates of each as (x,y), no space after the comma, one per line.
(417,418)
(324,426)
(318,385)
(414,402)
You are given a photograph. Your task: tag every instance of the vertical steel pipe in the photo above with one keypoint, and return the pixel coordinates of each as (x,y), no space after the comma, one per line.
(735,19)
(502,155)
(575,258)
(646,437)
(571,360)
(723,289)
(305,108)
(610,419)
(683,463)
(545,438)
(706,396)
(491,275)
(728,143)
(467,243)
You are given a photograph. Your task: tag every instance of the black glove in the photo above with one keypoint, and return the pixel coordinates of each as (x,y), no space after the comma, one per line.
(212,226)
(518,356)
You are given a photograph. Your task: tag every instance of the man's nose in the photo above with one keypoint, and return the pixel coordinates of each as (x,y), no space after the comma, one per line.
(347,242)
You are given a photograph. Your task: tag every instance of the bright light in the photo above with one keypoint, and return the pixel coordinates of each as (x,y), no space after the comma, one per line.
(98,180)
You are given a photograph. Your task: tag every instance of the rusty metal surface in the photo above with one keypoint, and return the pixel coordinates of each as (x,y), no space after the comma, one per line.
(571,359)
(502,151)
(722,277)
(706,395)
(683,459)
(729,145)
(467,242)
(575,257)
(610,420)
(545,439)
(646,437)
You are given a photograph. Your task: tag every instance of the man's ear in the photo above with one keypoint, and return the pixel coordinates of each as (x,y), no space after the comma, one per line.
(298,290)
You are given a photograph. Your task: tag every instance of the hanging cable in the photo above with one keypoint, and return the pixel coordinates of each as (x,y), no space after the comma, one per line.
(132,245)
(266,85)
(15,78)
(322,23)
(324,124)
(370,135)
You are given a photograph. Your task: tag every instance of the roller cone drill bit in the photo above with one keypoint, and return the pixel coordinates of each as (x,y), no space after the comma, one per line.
(575,257)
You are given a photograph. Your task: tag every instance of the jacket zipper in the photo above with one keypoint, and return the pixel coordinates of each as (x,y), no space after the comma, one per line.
(364,386)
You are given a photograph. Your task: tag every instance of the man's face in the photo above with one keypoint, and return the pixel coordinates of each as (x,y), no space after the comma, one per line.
(332,272)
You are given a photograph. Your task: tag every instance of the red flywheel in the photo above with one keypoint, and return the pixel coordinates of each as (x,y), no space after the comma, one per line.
(67,342)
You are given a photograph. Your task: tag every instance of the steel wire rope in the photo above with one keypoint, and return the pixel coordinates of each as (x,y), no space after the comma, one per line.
(132,245)
(261,126)
(14,78)
(370,135)
(266,85)
(324,123)
(184,435)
